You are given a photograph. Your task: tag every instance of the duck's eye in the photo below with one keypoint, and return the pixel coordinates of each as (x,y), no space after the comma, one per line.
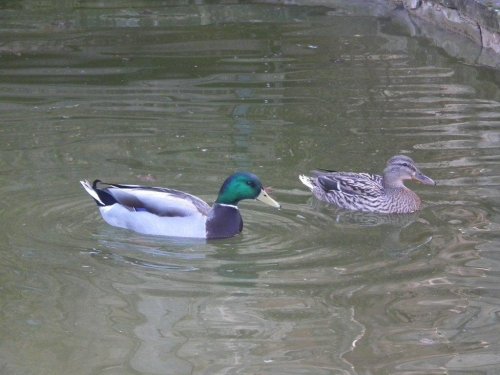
(251,183)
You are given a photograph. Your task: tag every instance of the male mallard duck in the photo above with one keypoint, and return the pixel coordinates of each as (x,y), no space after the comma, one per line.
(370,193)
(168,212)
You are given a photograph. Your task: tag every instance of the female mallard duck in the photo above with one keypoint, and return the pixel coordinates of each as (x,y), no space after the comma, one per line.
(370,193)
(168,212)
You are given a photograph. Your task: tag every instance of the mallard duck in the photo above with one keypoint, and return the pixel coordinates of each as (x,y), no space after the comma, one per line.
(368,192)
(168,212)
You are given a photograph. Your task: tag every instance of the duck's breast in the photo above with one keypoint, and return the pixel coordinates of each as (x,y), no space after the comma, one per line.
(224,221)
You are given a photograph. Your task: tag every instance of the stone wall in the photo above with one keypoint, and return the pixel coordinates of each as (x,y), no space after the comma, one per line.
(444,22)
(478,20)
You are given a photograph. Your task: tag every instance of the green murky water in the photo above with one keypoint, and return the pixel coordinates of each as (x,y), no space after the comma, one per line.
(181,94)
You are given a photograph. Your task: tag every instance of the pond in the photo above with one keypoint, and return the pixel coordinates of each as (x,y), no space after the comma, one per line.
(182,94)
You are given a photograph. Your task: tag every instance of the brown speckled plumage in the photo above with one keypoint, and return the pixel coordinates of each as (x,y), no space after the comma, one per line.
(370,193)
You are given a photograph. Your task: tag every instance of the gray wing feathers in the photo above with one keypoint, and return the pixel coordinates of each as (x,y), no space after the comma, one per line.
(364,184)
(159,201)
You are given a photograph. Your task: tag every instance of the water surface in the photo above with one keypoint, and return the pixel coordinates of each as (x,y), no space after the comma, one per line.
(182,94)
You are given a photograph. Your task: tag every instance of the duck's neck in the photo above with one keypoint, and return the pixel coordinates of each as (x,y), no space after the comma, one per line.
(224,221)
(402,197)
(392,184)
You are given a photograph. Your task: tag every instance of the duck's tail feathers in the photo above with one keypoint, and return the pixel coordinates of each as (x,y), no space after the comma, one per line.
(306,180)
(92,192)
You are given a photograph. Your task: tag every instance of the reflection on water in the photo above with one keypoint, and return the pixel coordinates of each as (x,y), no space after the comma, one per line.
(181,95)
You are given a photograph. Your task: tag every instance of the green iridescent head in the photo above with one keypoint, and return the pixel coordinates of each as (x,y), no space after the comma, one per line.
(243,185)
